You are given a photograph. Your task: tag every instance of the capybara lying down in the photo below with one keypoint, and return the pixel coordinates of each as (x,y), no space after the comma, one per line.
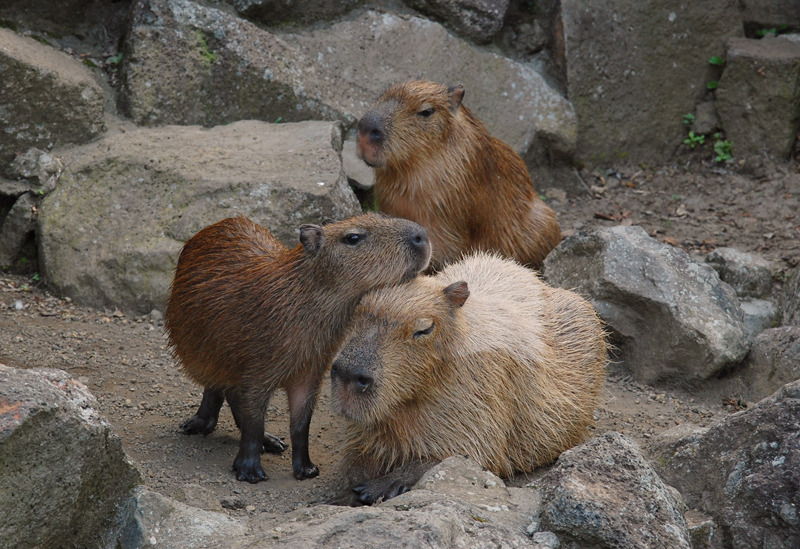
(247,315)
(437,164)
(483,360)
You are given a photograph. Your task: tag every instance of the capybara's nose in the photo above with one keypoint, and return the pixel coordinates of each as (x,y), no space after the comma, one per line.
(371,126)
(360,379)
(418,238)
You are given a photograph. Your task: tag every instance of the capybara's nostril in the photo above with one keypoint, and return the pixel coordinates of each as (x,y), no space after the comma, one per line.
(418,238)
(371,127)
(363,382)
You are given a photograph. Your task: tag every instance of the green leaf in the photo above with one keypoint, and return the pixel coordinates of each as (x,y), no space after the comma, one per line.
(717,60)
(713,85)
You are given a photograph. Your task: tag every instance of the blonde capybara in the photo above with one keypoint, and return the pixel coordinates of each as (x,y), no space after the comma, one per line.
(483,360)
(247,315)
(437,164)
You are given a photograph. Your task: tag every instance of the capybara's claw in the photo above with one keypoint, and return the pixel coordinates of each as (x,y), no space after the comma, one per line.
(273,445)
(306,471)
(250,473)
(196,424)
(371,492)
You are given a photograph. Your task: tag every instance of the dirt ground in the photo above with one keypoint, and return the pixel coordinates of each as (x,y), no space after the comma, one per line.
(125,362)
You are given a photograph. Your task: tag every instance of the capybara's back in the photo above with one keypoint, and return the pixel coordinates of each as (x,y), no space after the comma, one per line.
(213,295)
(437,164)
(483,360)
(247,315)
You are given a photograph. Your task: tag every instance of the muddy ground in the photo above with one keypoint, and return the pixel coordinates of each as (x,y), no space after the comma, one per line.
(754,207)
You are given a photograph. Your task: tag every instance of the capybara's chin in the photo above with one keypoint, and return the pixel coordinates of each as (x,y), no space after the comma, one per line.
(372,155)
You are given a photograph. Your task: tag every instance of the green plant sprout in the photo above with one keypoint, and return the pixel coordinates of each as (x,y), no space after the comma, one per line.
(723,148)
(694,139)
(688,119)
(717,61)
(713,85)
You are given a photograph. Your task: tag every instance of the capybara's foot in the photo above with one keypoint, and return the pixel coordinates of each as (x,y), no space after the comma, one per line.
(249,470)
(303,471)
(378,490)
(274,445)
(197,424)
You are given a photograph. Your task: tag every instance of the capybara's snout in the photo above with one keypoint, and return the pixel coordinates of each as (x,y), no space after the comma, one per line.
(356,379)
(371,139)
(371,127)
(419,243)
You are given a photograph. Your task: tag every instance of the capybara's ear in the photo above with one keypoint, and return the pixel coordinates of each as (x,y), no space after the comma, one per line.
(311,237)
(457,293)
(456,94)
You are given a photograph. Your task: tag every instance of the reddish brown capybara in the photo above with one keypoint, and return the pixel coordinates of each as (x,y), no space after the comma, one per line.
(483,360)
(437,164)
(247,315)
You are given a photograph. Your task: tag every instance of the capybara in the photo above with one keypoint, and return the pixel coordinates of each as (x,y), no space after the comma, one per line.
(246,315)
(483,360)
(437,164)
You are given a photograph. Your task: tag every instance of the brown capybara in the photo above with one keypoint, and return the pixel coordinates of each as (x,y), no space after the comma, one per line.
(246,315)
(437,164)
(483,360)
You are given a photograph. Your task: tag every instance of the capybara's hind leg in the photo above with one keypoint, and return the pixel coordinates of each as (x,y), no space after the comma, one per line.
(251,422)
(205,420)
(302,398)
(272,444)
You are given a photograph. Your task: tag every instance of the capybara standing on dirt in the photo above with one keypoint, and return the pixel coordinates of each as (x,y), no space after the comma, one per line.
(482,360)
(247,315)
(437,164)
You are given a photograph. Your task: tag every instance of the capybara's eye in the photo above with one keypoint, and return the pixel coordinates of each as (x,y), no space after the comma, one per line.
(426,331)
(352,238)
(426,113)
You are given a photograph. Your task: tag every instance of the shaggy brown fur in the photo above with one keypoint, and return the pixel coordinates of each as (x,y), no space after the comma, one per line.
(247,315)
(437,164)
(483,360)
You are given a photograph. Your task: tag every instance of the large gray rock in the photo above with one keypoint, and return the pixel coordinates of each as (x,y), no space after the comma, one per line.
(47,98)
(744,471)
(750,275)
(187,63)
(759,314)
(790,299)
(63,474)
(154,520)
(603,494)
(773,361)
(17,226)
(303,12)
(672,318)
(634,70)
(758,99)
(110,234)
(456,504)
(477,20)
(771,13)
(81,24)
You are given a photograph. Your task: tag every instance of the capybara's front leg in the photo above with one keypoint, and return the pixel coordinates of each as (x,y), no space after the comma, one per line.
(392,484)
(272,444)
(205,420)
(248,461)
(302,398)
